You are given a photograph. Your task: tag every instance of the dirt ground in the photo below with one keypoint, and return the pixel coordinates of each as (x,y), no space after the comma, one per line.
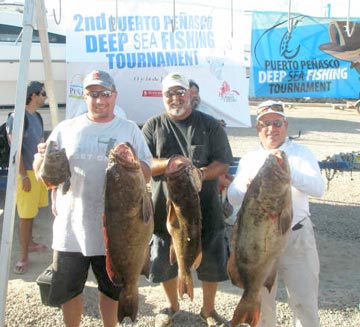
(337,226)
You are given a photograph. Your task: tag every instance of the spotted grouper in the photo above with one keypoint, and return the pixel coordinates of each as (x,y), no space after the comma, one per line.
(184,219)
(55,168)
(128,226)
(260,235)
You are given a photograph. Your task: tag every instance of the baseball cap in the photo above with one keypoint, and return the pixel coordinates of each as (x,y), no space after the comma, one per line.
(269,107)
(34,87)
(99,77)
(174,79)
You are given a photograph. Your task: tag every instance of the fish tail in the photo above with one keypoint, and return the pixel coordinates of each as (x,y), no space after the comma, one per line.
(128,305)
(247,311)
(185,286)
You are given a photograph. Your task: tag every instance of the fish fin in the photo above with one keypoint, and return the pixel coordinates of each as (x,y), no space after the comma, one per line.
(110,271)
(247,311)
(172,253)
(66,185)
(128,304)
(197,261)
(185,286)
(269,283)
(146,267)
(171,220)
(285,220)
(109,266)
(233,272)
(147,207)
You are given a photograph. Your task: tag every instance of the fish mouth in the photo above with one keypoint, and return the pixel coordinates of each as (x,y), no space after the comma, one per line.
(176,166)
(125,155)
(281,159)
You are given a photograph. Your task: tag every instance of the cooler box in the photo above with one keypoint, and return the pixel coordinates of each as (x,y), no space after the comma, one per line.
(44,282)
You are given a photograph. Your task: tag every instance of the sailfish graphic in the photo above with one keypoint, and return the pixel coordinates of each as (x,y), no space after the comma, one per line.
(343,46)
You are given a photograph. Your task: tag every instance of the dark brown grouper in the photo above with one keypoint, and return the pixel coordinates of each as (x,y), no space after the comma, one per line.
(259,235)
(128,226)
(55,168)
(184,219)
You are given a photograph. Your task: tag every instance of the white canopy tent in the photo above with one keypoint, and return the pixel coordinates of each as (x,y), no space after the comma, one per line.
(34,11)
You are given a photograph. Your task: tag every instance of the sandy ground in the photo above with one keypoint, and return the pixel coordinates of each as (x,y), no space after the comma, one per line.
(337,226)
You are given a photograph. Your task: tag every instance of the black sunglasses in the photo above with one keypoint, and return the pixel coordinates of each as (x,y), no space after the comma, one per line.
(96,94)
(179,93)
(266,123)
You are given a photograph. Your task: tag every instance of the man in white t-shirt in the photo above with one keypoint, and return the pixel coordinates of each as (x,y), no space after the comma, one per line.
(299,263)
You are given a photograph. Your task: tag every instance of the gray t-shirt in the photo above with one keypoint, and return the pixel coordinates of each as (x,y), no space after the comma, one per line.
(78,224)
(32,135)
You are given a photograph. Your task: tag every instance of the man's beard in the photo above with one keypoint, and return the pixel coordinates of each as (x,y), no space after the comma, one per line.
(177,111)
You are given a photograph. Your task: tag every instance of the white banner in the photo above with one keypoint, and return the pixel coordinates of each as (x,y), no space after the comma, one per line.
(144,40)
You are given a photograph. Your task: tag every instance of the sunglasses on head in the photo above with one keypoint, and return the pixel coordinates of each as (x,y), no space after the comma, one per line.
(179,93)
(274,123)
(96,94)
(273,107)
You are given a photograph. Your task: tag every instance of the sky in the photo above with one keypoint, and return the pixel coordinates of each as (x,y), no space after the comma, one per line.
(319,8)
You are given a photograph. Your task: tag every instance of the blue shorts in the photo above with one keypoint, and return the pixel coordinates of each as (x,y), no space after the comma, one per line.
(215,253)
(70,272)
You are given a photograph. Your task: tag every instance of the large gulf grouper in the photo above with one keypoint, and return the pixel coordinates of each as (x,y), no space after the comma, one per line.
(128,226)
(55,168)
(184,219)
(259,235)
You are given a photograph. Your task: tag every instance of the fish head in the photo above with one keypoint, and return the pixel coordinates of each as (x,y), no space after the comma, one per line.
(125,155)
(281,160)
(178,165)
(274,175)
(276,168)
(55,168)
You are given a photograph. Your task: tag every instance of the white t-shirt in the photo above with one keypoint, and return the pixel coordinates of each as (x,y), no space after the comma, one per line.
(306,179)
(78,224)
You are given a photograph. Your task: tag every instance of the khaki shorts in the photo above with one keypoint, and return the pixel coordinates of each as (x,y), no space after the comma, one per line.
(28,203)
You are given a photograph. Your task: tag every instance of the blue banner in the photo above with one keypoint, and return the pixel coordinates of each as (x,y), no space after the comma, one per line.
(304,57)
